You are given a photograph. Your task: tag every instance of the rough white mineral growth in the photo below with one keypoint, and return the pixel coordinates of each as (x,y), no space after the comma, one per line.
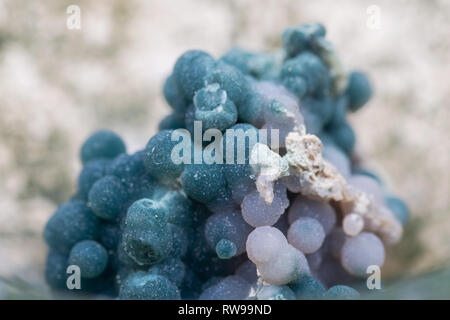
(362,251)
(320,180)
(277,262)
(270,167)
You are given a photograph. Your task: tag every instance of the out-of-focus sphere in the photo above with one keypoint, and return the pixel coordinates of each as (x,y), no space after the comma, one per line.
(337,158)
(367,185)
(353,224)
(264,244)
(257,212)
(247,271)
(306,234)
(321,211)
(362,251)
(335,241)
(293,184)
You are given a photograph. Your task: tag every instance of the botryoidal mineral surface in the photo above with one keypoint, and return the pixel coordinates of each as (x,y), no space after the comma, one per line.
(289,214)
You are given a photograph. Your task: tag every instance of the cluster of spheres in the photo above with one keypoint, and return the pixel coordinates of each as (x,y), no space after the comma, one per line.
(143,226)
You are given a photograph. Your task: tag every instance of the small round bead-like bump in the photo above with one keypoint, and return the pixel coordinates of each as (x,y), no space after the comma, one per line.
(102,144)
(353,224)
(90,257)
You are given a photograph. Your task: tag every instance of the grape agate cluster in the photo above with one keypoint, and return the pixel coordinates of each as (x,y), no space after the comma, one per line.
(142,226)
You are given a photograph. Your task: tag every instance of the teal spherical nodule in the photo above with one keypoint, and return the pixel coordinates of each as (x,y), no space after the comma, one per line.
(238,143)
(171,122)
(174,97)
(127,165)
(231,80)
(92,171)
(107,197)
(102,144)
(146,213)
(147,286)
(317,113)
(358,90)
(341,292)
(203,182)
(72,222)
(191,70)
(214,109)
(307,288)
(305,74)
(176,204)
(180,240)
(109,235)
(146,238)
(398,208)
(251,109)
(226,233)
(344,137)
(90,256)
(171,268)
(225,249)
(239,59)
(55,269)
(300,38)
(157,157)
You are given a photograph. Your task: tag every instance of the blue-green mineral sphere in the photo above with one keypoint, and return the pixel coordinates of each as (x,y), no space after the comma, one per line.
(107,197)
(191,70)
(71,223)
(90,256)
(157,157)
(102,144)
(398,208)
(358,90)
(341,292)
(203,182)
(147,237)
(55,269)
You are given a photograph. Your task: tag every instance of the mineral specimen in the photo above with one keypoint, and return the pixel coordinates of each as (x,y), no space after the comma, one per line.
(250,189)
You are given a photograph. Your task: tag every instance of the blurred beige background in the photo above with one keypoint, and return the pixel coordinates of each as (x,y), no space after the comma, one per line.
(57,85)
